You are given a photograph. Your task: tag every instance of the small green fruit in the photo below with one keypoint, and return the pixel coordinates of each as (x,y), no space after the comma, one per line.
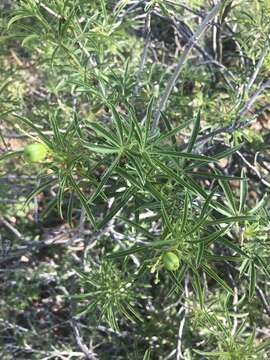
(171,261)
(35,152)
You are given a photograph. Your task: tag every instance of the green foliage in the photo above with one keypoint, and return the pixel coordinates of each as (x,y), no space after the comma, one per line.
(111,291)
(162,224)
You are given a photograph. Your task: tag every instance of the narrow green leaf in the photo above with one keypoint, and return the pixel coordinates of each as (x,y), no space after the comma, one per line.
(148,120)
(183,155)
(132,117)
(264,265)
(197,189)
(123,253)
(232,246)
(243,267)
(140,229)
(216,354)
(104,179)
(176,280)
(82,199)
(104,133)
(118,122)
(252,279)
(197,287)
(213,236)
(39,131)
(200,253)
(185,214)
(10,154)
(128,177)
(172,175)
(147,355)
(228,152)
(222,209)
(241,328)
(199,223)
(92,306)
(214,176)
(171,132)
(168,127)
(222,258)
(70,209)
(264,345)
(21,15)
(56,132)
(207,203)
(204,214)
(62,179)
(141,248)
(233,219)
(49,208)
(194,133)
(125,198)
(154,191)
(101,149)
(179,277)
(38,190)
(136,162)
(217,278)
(166,217)
(228,194)
(243,192)
(259,205)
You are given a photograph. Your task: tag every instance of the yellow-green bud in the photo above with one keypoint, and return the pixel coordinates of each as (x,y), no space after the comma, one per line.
(35,152)
(171,261)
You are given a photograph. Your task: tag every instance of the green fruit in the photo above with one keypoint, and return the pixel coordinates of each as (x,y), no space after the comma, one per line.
(171,261)
(35,152)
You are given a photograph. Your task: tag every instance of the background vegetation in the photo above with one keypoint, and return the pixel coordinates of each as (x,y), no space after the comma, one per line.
(155,119)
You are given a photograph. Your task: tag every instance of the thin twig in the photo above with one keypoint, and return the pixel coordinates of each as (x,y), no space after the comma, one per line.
(147,30)
(262,297)
(186,32)
(187,8)
(128,10)
(49,10)
(226,129)
(192,42)
(257,69)
(79,340)
(266,183)
(253,98)
(179,354)
(11,228)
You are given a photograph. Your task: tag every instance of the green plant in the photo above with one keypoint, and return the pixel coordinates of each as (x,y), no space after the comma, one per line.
(111,291)
(150,164)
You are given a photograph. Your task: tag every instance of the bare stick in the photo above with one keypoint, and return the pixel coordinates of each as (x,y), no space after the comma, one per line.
(147,31)
(179,354)
(128,10)
(184,30)
(226,129)
(87,352)
(49,10)
(263,299)
(257,69)
(254,97)
(11,228)
(192,42)
(266,183)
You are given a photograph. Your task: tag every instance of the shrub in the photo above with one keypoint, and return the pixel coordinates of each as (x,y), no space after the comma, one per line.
(145,155)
